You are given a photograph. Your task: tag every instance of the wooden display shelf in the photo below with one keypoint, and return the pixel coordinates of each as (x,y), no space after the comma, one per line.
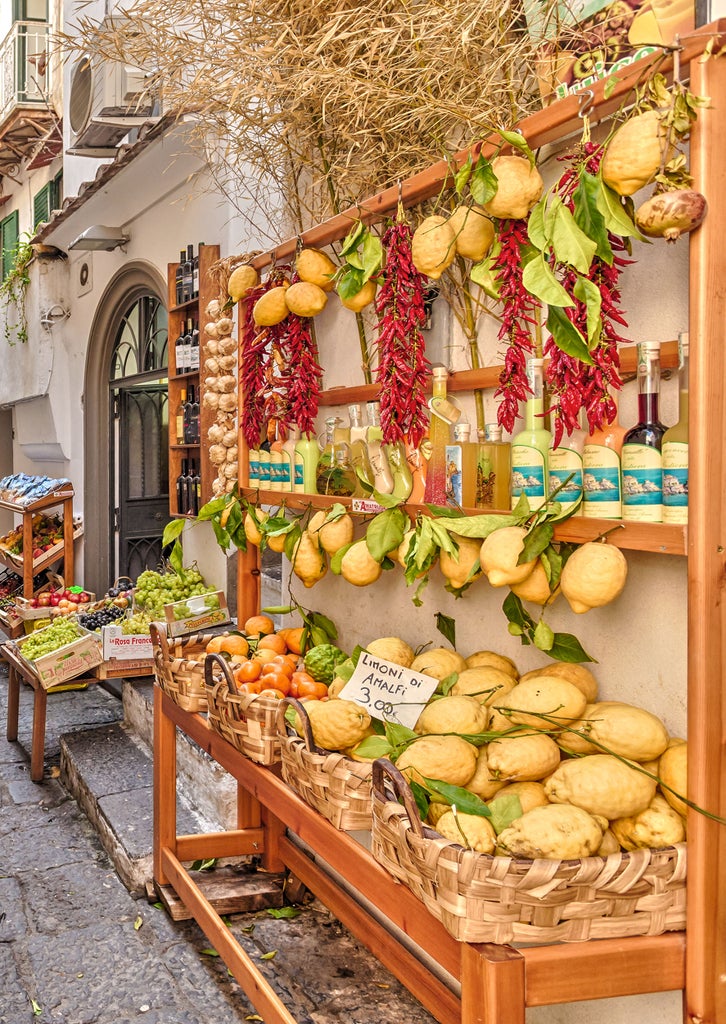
(660,538)
(48,558)
(488,377)
(29,567)
(497,982)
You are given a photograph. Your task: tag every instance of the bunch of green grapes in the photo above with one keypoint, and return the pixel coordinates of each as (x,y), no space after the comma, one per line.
(61,632)
(137,624)
(154,590)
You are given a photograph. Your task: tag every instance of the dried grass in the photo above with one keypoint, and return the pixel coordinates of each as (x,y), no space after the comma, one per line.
(327,101)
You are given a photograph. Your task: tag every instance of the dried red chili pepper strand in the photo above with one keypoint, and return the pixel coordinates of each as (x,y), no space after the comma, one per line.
(253,366)
(519,309)
(571,384)
(402,363)
(302,374)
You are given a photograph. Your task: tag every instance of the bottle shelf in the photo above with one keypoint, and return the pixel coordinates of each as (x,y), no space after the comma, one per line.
(190,375)
(190,304)
(488,377)
(660,538)
(183,447)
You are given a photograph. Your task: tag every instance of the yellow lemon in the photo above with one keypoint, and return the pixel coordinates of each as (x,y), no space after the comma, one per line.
(594,575)
(520,188)
(473,231)
(393,649)
(490,659)
(578,675)
(271,308)
(362,298)
(453,714)
(358,566)
(305,299)
(463,567)
(448,758)
(316,267)
(635,153)
(309,563)
(499,554)
(536,588)
(433,247)
(241,282)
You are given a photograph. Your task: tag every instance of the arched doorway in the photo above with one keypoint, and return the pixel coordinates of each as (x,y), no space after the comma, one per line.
(126,429)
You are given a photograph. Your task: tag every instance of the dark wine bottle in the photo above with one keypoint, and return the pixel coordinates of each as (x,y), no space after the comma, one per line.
(178,281)
(180,351)
(194,417)
(188,425)
(193,335)
(188,273)
(196,488)
(182,490)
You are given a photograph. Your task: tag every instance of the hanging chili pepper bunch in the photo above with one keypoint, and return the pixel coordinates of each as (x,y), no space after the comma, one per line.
(402,363)
(585,380)
(520,315)
(280,372)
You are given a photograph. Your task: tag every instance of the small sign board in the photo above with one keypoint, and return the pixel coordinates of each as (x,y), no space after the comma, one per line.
(366,505)
(389,692)
(125,648)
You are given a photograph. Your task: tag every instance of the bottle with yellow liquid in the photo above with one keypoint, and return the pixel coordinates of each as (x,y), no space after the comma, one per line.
(462,467)
(531,445)
(675,448)
(359,451)
(443,415)
(564,466)
(494,469)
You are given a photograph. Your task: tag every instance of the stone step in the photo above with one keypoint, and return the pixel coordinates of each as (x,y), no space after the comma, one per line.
(110,775)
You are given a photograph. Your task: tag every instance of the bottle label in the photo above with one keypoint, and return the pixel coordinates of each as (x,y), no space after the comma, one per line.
(264,471)
(193,357)
(254,469)
(528,475)
(299,481)
(642,484)
(675,482)
(285,473)
(601,483)
(565,471)
(454,469)
(485,479)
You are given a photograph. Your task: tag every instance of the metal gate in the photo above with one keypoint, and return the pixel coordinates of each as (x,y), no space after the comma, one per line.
(139,437)
(143,491)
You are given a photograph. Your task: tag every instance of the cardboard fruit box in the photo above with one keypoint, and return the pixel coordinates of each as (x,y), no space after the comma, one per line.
(130,653)
(196,614)
(68,662)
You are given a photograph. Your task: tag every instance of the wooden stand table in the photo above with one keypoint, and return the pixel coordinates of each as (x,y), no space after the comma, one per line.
(493,984)
(17,670)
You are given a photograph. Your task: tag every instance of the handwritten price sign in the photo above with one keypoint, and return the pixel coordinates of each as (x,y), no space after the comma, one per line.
(387,691)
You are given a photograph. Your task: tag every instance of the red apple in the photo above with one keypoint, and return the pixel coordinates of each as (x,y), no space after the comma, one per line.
(43,600)
(84,598)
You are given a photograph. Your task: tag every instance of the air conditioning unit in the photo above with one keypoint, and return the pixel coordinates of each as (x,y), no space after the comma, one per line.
(107,100)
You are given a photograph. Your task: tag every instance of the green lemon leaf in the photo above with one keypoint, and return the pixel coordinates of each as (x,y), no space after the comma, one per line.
(350,282)
(172,530)
(337,558)
(536,225)
(535,542)
(372,255)
(283,912)
(516,614)
(540,281)
(588,216)
(464,800)
(322,622)
(269,956)
(399,735)
(566,647)
(291,540)
(374,746)
(504,810)
(447,627)
(483,185)
(483,275)
(589,293)
(518,141)
(335,512)
(176,558)
(478,527)
(385,532)
(544,637)
(212,508)
(566,336)
(616,218)
(462,175)
(220,535)
(570,243)
(552,564)
(422,799)
(353,239)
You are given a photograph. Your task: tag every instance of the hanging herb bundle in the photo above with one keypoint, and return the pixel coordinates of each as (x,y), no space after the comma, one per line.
(402,362)
(519,317)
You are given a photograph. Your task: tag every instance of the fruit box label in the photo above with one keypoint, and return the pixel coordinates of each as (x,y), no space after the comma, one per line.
(131,647)
(389,692)
(68,662)
(201,617)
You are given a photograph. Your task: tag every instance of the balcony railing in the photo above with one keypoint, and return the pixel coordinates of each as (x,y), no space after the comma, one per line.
(24,67)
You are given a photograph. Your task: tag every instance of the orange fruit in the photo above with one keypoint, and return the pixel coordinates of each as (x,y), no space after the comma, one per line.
(264,656)
(228,643)
(215,644)
(277,694)
(272,642)
(248,671)
(257,624)
(293,638)
(285,663)
(275,681)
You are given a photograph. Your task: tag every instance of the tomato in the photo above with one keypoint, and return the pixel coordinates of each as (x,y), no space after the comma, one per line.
(248,671)
(254,686)
(271,679)
(311,689)
(284,663)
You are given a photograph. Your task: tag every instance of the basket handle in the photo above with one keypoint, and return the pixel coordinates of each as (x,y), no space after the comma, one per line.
(157,631)
(209,663)
(385,773)
(281,722)
(119,578)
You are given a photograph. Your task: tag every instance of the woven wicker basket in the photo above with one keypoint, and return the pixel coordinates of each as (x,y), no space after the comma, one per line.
(481,898)
(336,786)
(246,720)
(176,670)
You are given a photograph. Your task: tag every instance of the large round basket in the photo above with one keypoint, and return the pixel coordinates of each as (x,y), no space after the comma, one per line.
(336,786)
(179,666)
(481,898)
(246,720)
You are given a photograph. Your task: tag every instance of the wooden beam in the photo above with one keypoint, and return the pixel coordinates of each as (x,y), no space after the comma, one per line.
(706,928)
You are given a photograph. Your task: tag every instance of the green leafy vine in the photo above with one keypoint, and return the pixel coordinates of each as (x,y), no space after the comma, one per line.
(14,288)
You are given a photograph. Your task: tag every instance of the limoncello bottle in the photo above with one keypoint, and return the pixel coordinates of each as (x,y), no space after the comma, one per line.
(602,480)
(531,445)
(675,448)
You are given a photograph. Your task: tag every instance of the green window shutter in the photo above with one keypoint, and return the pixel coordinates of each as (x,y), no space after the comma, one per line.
(9,235)
(42,205)
(55,188)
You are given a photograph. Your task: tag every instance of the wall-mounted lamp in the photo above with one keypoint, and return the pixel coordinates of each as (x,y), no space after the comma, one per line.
(100,238)
(53,315)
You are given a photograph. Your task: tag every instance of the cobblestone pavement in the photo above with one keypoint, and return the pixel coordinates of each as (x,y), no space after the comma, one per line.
(76,948)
